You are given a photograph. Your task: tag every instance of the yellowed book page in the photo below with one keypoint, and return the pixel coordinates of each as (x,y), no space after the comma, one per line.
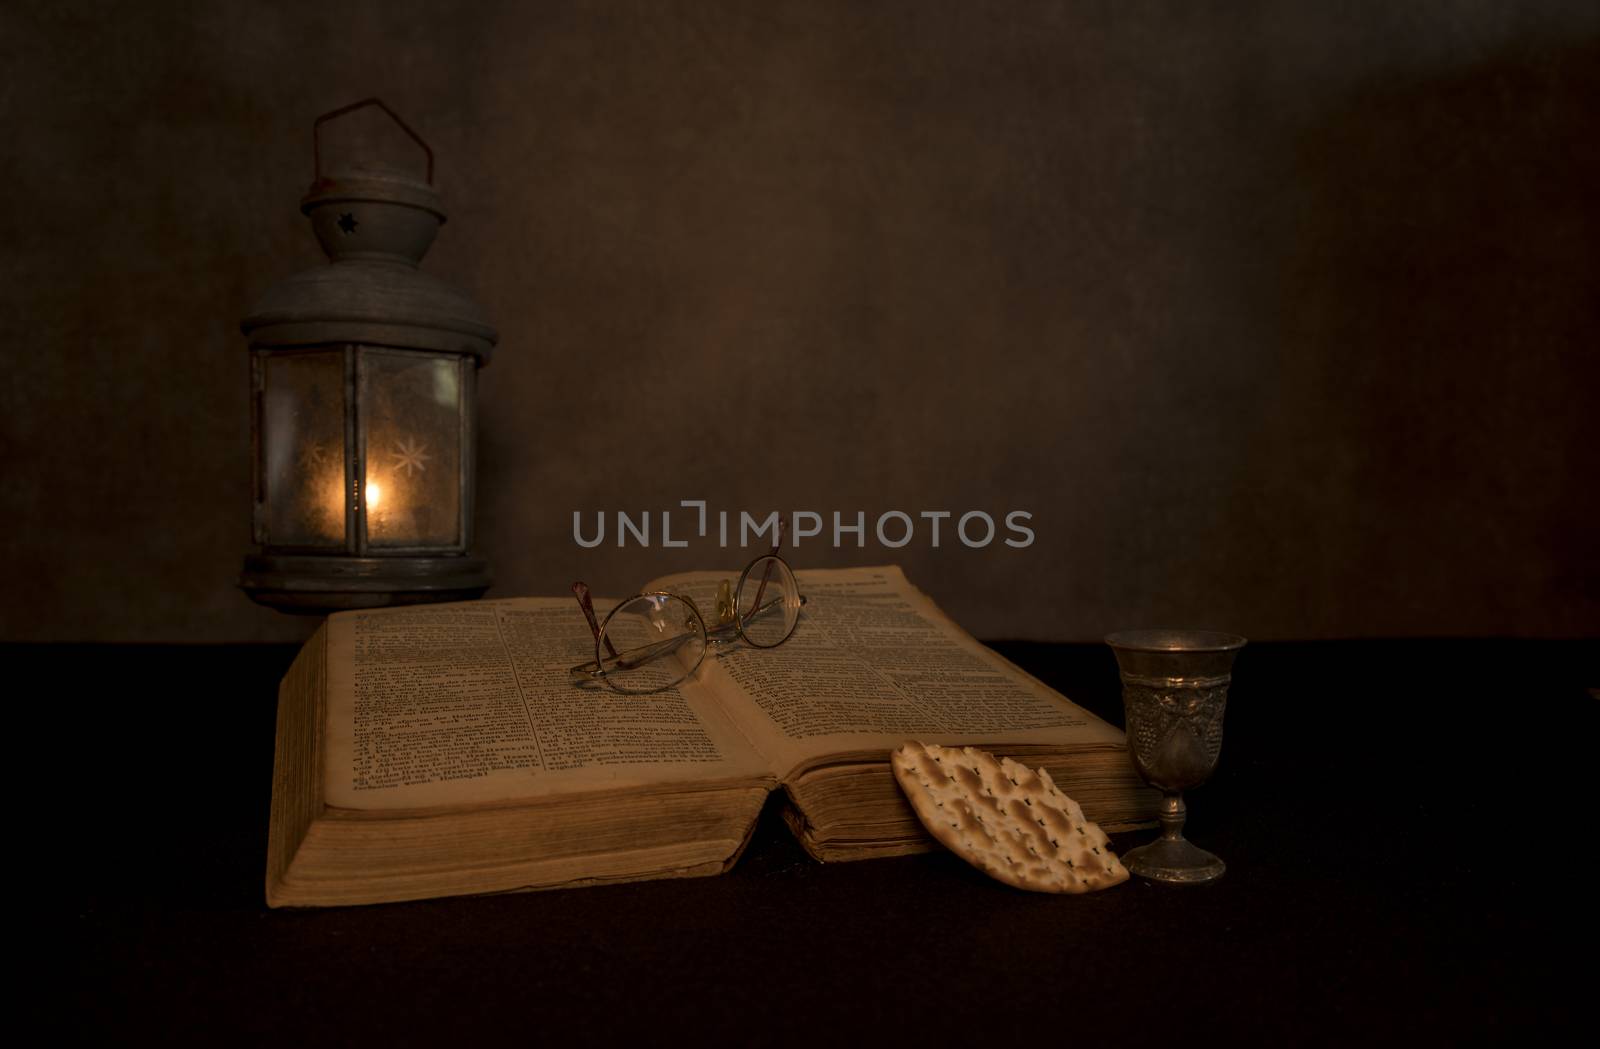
(873,663)
(468,703)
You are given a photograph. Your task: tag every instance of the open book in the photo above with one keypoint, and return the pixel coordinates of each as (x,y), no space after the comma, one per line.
(443,749)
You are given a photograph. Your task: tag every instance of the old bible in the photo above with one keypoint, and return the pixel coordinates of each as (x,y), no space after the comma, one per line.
(441,750)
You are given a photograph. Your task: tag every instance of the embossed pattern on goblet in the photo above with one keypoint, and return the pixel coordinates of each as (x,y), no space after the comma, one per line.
(1174,728)
(1174,692)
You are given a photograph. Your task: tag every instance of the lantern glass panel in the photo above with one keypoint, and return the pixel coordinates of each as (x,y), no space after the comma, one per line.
(302,449)
(411,414)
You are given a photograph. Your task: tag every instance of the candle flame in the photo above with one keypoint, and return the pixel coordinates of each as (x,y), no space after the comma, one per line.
(374,493)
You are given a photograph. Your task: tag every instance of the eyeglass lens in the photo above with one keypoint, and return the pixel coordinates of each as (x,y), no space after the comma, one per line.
(768,602)
(659,640)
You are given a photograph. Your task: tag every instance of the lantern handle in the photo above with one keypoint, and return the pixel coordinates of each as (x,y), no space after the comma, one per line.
(316,133)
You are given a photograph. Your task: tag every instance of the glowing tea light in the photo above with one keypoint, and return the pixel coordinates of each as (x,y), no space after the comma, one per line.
(374,494)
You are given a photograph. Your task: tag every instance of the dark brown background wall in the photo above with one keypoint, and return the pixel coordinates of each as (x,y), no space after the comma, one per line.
(1277,317)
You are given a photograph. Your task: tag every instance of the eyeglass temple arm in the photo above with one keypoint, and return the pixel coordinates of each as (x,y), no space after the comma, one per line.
(766,573)
(580,590)
(759,610)
(633,657)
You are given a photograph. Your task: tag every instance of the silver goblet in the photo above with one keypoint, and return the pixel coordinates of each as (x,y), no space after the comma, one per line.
(1174,690)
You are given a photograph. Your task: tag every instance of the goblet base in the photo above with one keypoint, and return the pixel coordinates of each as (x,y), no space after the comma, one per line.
(1174,860)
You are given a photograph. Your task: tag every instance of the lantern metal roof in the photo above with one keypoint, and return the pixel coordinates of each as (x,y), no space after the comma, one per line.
(375,223)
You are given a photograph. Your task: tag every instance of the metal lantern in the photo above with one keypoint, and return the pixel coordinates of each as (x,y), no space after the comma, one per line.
(364,378)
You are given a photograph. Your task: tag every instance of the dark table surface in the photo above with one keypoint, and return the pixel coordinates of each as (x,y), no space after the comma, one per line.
(1403,822)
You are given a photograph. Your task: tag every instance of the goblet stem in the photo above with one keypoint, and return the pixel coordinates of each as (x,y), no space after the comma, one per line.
(1172,857)
(1172,815)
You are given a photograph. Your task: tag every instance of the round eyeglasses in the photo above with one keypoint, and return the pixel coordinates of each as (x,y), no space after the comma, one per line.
(653,641)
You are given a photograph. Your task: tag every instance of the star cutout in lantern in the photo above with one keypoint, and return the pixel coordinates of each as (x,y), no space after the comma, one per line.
(348,223)
(410,455)
(314,455)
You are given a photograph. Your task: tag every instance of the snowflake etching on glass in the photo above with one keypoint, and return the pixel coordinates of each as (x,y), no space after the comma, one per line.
(314,455)
(410,455)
